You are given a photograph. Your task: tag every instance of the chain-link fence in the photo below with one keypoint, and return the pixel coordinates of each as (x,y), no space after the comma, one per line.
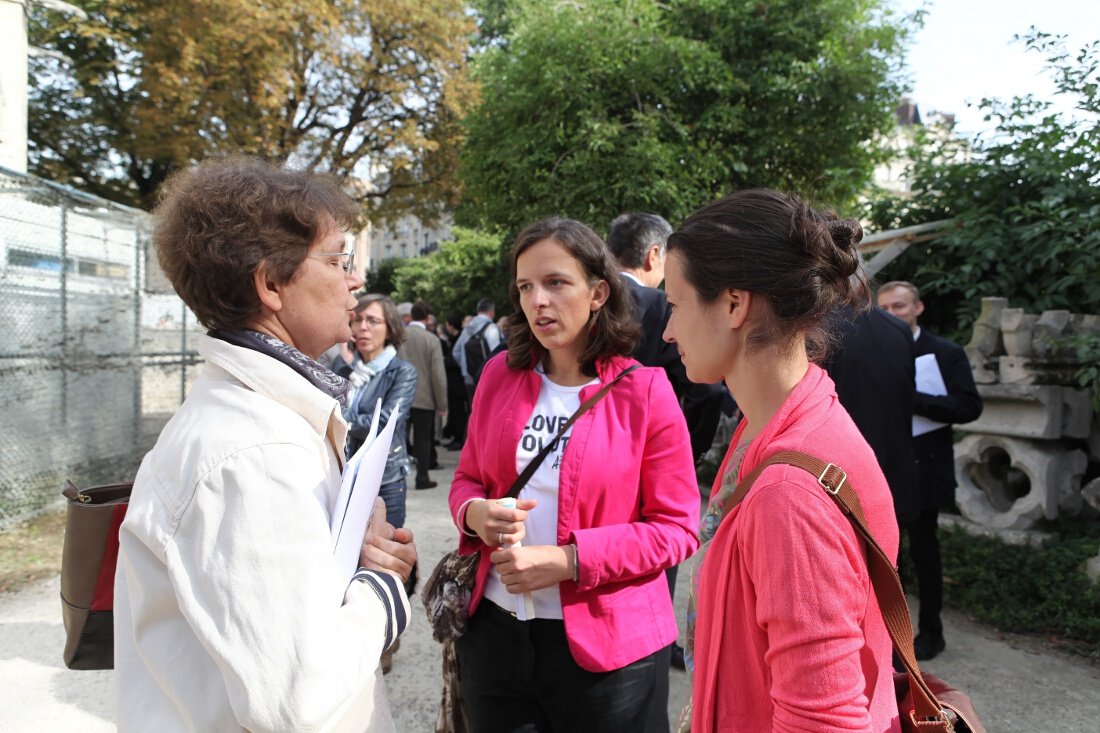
(96,353)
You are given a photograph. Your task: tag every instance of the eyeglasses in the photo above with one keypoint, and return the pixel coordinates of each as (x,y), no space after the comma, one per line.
(349,259)
(369,320)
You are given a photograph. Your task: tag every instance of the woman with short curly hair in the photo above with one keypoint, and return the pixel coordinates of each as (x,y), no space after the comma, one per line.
(230,611)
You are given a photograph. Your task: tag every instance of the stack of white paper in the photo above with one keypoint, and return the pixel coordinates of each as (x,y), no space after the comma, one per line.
(362,478)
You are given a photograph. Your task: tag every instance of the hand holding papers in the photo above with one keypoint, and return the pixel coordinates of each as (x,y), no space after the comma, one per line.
(359,487)
(929,381)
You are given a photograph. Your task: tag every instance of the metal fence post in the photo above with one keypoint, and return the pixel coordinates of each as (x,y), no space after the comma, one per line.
(63,373)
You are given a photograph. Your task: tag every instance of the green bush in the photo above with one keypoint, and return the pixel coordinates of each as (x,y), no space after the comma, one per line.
(1040,590)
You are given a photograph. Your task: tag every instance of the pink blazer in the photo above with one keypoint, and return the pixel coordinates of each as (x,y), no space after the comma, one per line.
(627,497)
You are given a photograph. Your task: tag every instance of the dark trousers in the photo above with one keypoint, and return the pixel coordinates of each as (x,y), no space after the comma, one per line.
(924,551)
(458,411)
(519,677)
(423,433)
(393,494)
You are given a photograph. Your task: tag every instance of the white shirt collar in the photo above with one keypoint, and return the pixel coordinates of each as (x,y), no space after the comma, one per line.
(418,323)
(632,277)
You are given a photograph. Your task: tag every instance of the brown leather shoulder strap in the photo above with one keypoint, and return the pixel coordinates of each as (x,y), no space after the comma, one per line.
(884,577)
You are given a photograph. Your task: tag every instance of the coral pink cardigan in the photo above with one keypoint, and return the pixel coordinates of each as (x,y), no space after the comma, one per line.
(627,497)
(789,636)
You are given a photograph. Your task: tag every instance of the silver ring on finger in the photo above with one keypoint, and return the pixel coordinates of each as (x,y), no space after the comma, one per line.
(500,538)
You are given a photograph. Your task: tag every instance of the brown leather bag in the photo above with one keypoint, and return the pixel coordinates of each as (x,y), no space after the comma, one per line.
(88,563)
(925,703)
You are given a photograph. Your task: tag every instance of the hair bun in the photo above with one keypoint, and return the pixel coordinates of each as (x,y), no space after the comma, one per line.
(845,233)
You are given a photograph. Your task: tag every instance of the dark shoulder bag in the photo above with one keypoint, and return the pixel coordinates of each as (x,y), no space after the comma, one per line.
(925,703)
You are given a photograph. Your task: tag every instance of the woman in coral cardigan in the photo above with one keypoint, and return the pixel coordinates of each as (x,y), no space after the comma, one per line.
(569,631)
(787,631)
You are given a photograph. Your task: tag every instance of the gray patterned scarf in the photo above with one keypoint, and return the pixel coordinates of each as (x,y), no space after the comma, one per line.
(316,374)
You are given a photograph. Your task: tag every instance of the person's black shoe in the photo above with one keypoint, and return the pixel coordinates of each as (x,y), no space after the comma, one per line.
(429,484)
(453,445)
(677,658)
(928,646)
(435,466)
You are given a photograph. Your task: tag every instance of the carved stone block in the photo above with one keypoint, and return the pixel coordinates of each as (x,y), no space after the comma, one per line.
(1051,326)
(1032,411)
(986,338)
(1016,332)
(1006,483)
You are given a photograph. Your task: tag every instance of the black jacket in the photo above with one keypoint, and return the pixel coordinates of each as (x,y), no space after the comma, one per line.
(962,404)
(872,366)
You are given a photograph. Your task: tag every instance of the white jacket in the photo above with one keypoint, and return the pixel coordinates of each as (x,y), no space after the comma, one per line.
(230,613)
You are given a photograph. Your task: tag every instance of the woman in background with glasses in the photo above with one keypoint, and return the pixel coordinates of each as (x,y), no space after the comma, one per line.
(376,374)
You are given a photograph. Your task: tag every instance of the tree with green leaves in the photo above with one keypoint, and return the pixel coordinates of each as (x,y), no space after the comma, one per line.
(369,90)
(452,279)
(1024,203)
(590,109)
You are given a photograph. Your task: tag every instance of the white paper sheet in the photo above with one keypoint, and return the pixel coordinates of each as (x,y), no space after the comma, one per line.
(929,381)
(362,478)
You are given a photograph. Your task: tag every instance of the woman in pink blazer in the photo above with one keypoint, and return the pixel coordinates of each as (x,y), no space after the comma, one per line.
(569,631)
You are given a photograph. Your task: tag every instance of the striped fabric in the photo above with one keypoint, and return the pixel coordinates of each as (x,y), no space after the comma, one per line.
(385,586)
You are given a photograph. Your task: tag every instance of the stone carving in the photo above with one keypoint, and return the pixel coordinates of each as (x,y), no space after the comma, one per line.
(1026,459)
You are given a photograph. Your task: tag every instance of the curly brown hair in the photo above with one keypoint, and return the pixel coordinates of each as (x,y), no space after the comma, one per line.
(614,329)
(216,222)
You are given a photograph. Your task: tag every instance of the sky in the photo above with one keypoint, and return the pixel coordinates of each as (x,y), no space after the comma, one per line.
(965,51)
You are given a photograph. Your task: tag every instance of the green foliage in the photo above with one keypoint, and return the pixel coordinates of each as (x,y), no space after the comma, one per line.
(453,278)
(381,279)
(1084,349)
(341,87)
(592,109)
(1025,204)
(1026,589)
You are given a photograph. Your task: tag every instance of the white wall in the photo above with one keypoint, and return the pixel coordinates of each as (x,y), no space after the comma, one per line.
(13,85)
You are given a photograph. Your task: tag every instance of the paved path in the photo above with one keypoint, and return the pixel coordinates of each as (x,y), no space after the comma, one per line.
(1019,685)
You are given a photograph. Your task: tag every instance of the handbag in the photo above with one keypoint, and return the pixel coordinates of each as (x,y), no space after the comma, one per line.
(450,586)
(925,703)
(92,519)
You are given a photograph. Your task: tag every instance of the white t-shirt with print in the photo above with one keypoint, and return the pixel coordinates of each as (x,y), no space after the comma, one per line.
(552,410)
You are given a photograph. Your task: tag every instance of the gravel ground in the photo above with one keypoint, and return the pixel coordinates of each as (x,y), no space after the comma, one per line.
(1019,684)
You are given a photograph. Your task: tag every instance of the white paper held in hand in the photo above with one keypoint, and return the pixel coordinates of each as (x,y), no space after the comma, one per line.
(524,611)
(359,485)
(929,381)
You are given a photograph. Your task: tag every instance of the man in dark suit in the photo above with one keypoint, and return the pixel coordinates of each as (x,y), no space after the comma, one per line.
(637,241)
(957,401)
(872,367)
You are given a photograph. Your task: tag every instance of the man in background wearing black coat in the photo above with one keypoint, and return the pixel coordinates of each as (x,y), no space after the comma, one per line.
(637,241)
(956,402)
(872,367)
